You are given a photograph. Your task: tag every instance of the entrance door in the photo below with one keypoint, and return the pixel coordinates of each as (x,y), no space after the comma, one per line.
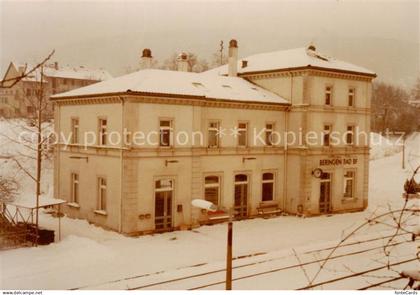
(163,204)
(241,196)
(325,193)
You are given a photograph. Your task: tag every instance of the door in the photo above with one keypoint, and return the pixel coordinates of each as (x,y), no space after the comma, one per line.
(163,204)
(241,196)
(325,193)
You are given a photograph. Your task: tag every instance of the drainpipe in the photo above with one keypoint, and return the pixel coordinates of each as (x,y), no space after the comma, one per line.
(291,88)
(57,121)
(121,164)
(286,149)
(286,124)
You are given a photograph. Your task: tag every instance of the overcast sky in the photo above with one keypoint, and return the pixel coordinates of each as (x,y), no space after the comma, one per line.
(380,35)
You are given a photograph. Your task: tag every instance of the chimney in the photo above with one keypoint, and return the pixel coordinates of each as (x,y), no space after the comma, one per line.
(244,63)
(56,65)
(311,50)
(182,62)
(146,59)
(233,58)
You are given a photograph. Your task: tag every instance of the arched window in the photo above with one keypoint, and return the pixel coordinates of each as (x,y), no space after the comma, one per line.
(241,178)
(267,187)
(212,189)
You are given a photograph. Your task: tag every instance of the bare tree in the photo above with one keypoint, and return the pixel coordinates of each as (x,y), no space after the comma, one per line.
(195,63)
(8,189)
(218,59)
(391,109)
(10,82)
(37,149)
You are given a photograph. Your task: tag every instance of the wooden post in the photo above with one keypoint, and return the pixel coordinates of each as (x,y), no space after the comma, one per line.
(229,257)
(403,153)
(59,222)
(39,155)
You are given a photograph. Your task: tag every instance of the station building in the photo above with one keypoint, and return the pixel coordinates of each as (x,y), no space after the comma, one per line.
(142,146)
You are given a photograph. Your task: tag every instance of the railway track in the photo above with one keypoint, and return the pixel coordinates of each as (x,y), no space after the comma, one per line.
(217,276)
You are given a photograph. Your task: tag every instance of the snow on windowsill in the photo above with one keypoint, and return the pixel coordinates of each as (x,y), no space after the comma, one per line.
(100,212)
(74,205)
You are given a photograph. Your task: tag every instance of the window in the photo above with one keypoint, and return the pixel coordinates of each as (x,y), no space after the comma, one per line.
(101,194)
(328,95)
(165,131)
(212,189)
(102,131)
(242,134)
(241,196)
(269,128)
(213,134)
(74,188)
(349,184)
(351,97)
(350,135)
(164,185)
(164,190)
(267,187)
(75,130)
(327,133)
(28,92)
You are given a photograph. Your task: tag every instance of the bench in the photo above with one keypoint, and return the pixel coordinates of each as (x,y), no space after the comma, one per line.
(267,209)
(217,216)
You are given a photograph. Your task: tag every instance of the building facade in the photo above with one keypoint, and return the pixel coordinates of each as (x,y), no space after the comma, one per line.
(240,136)
(18,101)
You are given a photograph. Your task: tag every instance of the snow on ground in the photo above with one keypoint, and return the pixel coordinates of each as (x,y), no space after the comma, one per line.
(98,259)
(382,146)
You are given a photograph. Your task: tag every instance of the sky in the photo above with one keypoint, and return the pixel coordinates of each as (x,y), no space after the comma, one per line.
(379,35)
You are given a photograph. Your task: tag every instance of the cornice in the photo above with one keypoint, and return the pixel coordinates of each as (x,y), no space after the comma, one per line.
(90,100)
(329,109)
(159,152)
(308,71)
(173,100)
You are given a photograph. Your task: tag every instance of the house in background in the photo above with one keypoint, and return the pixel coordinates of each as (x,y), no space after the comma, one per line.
(139,187)
(18,101)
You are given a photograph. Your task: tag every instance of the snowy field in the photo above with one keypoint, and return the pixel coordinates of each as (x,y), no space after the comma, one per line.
(89,257)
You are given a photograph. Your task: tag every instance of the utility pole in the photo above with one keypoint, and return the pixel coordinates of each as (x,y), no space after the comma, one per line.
(39,155)
(221,52)
(229,254)
(384,118)
(403,152)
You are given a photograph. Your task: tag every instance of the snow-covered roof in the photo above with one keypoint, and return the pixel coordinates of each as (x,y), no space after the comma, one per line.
(153,81)
(30,203)
(290,59)
(81,72)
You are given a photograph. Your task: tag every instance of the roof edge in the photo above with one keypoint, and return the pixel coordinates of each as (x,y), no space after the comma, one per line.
(307,68)
(155,94)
